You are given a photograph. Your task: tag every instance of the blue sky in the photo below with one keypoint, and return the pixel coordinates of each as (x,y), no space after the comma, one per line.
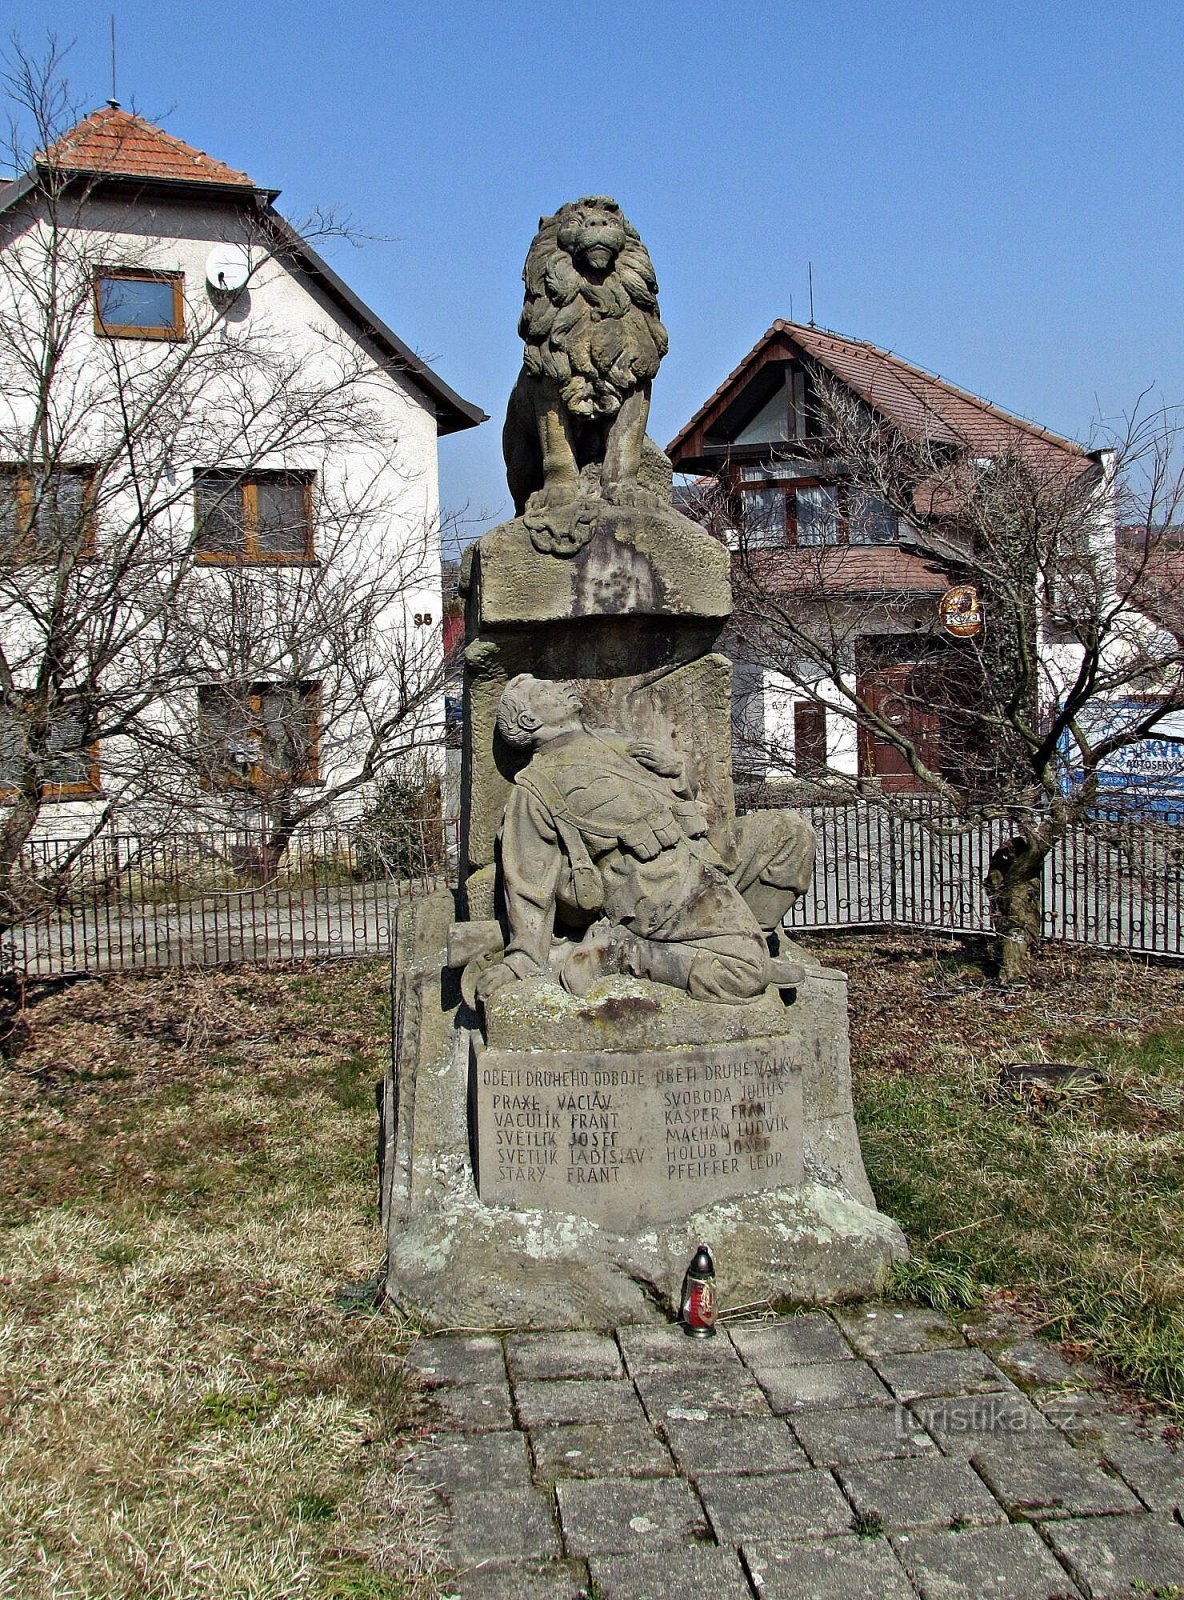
(993,191)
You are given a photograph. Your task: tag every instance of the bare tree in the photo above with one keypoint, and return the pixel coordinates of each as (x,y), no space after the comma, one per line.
(1079,655)
(219,581)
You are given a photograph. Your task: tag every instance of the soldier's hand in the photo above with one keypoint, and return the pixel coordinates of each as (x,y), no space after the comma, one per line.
(494,978)
(658,758)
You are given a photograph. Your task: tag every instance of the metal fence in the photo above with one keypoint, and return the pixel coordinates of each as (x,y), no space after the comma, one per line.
(1117,885)
(198,899)
(195,899)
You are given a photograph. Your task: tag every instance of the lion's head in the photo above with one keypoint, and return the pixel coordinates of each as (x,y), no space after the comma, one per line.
(590,317)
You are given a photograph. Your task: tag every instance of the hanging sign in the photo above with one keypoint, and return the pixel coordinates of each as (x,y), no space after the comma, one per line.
(961,612)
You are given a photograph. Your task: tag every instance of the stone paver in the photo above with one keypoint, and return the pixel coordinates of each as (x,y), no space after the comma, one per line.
(831,1435)
(1048,1478)
(734,1445)
(551,1580)
(652,1349)
(453,1358)
(696,1396)
(563,1355)
(965,1423)
(885,1330)
(1008,1563)
(808,1337)
(490,1525)
(774,1507)
(823,1383)
(845,1568)
(600,1450)
(922,1492)
(940,1372)
(691,1570)
(611,1516)
(471,1461)
(1109,1556)
(871,1453)
(474,1406)
(546,1402)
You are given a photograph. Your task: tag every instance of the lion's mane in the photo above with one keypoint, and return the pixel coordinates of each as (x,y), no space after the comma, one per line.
(598,340)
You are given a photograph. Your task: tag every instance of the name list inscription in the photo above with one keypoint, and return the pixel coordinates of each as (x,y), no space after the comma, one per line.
(647,1138)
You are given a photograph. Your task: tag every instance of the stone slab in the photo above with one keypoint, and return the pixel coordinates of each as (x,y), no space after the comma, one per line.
(1159,1486)
(940,1372)
(821,1383)
(548,1580)
(563,1355)
(1003,1563)
(737,1445)
(808,1337)
(921,1492)
(1039,1478)
(773,1507)
(474,1406)
(599,1450)
(609,1516)
(831,1436)
(689,1570)
(457,1359)
(669,1348)
(490,1525)
(688,1396)
(632,1139)
(1113,1557)
(546,1402)
(842,1568)
(891,1330)
(453,1462)
(966,1423)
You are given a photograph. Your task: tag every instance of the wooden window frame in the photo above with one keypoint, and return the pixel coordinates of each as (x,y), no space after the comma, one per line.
(125,330)
(247,486)
(26,553)
(90,789)
(789,483)
(259,780)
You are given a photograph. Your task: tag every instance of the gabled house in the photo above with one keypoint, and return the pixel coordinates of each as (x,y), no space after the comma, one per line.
(219,553)
(755,447)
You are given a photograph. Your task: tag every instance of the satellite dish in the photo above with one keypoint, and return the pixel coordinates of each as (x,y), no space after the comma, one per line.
(228,266)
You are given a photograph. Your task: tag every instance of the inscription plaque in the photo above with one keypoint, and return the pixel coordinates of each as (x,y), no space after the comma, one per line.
(629,1139)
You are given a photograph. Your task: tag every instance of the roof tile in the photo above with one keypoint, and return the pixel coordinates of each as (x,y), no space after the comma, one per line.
(116,143)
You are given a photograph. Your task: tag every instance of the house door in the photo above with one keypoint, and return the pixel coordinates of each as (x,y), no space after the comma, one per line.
(889,692)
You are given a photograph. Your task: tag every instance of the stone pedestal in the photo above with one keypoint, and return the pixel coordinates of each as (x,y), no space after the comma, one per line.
(471,1245)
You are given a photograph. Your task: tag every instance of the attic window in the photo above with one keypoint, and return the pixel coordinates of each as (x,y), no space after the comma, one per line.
(134,304)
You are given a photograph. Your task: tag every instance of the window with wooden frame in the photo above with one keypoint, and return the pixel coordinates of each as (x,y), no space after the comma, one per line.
(69,767)
(779,507)
(258,736)
(809,739)
(138,303)
(43,512)
(257,516)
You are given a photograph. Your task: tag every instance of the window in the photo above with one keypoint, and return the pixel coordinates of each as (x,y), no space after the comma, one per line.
(870,520)
(803,511)
(70,764)
(258,735)
(817,514)
(263,516)
(134,304)
(43,512)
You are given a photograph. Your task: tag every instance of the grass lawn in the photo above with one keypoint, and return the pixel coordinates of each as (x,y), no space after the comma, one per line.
(197,1401)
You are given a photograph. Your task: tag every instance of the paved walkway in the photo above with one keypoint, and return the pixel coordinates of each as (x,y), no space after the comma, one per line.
(879,1453)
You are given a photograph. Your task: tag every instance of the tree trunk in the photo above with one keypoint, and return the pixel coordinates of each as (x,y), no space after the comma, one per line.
(1014,884)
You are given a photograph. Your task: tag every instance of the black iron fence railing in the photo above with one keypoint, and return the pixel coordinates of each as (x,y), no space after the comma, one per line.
(212,899)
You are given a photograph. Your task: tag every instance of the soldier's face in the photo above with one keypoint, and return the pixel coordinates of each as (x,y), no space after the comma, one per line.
(554,703)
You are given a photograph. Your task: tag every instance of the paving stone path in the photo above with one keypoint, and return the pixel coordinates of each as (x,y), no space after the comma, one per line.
(877,1453)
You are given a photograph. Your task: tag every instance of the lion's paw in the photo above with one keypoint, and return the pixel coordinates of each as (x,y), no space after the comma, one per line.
(630,494)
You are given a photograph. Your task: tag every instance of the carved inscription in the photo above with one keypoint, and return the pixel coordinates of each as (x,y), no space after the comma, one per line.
(644,1139)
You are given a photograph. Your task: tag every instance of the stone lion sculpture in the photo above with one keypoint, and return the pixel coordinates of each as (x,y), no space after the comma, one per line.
(577,417)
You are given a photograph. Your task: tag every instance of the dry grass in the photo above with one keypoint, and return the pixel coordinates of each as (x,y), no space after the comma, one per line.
(1073,1199)
(191,1404)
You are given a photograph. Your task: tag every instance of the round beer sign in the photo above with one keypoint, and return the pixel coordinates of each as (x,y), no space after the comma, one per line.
(960,611)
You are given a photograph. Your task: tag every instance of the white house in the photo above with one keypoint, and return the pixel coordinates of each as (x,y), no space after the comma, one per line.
(219,551)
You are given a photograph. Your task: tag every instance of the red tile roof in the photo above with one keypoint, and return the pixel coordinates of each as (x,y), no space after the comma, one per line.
(848,569)
(116,143)
(918,402)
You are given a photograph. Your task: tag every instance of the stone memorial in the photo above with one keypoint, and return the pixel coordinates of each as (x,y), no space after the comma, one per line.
(606,1050)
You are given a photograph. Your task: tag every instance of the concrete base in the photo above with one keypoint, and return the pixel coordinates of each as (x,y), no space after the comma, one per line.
(454,1261)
